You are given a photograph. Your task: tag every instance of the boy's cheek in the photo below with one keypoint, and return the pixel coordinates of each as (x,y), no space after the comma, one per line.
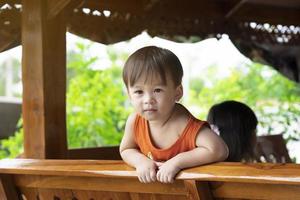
(131,99)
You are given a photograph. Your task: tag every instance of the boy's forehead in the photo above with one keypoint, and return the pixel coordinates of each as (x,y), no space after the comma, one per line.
(153,79)
(150,80)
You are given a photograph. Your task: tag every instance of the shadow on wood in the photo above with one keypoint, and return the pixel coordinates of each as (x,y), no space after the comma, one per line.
(97,153)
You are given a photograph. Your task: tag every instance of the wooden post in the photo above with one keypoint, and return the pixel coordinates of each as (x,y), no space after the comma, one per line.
(198,190)
(7,188)
(44,81)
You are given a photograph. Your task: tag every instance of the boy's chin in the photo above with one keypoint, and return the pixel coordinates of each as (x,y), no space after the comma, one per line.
(150,116)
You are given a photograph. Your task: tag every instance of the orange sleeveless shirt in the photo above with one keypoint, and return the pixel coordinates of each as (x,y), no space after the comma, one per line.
(186,142)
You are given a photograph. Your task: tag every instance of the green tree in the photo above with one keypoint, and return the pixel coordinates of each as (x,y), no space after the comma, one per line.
(12,146)
(96,103)
(96,110)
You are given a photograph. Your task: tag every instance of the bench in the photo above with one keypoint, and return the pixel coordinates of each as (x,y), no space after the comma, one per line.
(34,179)
(272,148)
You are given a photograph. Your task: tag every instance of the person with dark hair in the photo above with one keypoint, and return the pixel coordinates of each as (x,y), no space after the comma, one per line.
(236,123)
(162,137)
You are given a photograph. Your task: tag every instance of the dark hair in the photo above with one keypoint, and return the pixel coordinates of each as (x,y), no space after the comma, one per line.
(152,61)
(237,126)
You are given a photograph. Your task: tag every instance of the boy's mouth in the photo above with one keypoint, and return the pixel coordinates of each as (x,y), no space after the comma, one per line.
(150,110)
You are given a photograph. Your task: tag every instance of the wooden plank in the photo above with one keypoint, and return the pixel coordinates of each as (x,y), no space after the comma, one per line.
(255,191)
(29,193)
(51,194)
(44,82)
(102,153)
(267,14)
(88,195)
(198,190)
(223,171)
(7,188)
(152,196)
(99,184)
(55,7)
(114,180)
(279,173)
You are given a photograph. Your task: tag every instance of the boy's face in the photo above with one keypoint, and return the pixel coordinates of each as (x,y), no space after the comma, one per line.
(152,99)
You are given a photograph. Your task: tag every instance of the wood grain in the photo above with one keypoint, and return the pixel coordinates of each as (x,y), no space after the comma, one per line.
(108,179)
(7,188)
(44,81)
(224,171)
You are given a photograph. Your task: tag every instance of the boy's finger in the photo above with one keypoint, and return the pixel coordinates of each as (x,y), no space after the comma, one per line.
(153,175)
(158,176)
(148,178)
(140,179)
(170,179)
(158,164)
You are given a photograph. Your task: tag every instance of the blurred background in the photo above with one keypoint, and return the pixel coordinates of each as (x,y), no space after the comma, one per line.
(97,106)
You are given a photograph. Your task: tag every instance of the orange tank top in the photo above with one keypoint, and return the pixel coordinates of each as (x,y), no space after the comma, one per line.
(186,142)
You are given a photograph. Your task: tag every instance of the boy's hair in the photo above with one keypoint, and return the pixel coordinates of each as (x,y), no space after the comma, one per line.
(237,126)
(152,61)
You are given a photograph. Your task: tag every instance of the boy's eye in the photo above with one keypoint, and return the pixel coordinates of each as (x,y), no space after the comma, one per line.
(138,92)
(157,90)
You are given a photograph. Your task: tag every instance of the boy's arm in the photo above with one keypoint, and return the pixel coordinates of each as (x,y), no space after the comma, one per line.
(145,167)
(210,148)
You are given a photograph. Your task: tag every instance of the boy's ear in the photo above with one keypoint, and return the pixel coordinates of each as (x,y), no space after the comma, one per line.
(179,92)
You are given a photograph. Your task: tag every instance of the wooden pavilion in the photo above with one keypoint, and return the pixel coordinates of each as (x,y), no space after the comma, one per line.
(266,30)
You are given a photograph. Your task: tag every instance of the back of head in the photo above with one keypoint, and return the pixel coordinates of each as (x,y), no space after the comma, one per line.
(152,61)
(236,123)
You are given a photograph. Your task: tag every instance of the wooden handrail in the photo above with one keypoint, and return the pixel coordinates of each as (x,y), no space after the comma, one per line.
(224,171)
(111,179)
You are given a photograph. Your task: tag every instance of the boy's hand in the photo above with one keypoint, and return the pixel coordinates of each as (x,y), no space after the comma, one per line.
(167,171)
(147,171)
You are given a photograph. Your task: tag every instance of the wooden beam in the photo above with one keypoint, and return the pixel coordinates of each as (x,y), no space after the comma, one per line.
(10,29)
(97,153)
(219,180)
(266,173)
(7,188)
(244,190)
(44,81)
(56,6)
(267,14)
(198,190)
(99,184)
(235,8)
(132,6)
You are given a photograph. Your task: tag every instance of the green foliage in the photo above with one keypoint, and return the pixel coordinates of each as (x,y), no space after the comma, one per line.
(96,103)
(274,98)
(96,110)
(13,146)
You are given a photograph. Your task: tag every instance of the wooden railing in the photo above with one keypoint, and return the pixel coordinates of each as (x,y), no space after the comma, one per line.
(91,179)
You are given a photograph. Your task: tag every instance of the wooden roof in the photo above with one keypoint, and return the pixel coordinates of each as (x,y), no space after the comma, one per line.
(270,28)
(275,22)
(266,27)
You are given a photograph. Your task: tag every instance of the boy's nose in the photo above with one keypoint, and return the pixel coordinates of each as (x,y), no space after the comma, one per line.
(149,99)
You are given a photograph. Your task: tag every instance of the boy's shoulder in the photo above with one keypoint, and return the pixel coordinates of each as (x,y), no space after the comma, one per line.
(185,112)
(131,118)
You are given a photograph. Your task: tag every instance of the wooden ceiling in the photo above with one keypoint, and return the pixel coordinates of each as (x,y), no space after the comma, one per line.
(275,24)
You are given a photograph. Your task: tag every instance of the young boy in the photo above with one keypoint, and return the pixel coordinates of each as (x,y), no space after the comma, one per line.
(162,137)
